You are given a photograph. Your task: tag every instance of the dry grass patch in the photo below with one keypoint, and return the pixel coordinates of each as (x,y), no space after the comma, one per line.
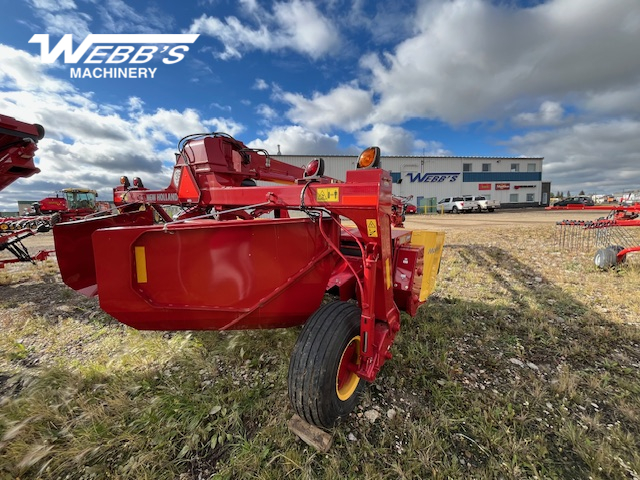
(524,364)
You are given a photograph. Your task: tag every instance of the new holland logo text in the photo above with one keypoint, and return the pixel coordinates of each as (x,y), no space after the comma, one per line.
(114,51)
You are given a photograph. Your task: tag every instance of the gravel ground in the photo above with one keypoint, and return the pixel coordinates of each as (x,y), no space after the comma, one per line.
(498,218)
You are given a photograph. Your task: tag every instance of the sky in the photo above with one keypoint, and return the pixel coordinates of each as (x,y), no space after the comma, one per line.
(552,78)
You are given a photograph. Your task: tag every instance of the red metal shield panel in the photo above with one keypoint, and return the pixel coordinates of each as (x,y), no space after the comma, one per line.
(208,275)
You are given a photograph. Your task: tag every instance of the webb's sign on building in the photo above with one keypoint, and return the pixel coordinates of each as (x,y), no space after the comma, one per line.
(433,177)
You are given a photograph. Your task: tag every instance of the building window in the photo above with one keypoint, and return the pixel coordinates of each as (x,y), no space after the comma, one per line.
(396,177)
(531,167)
(515,167)
(466,167)
(529,197)
(513,198)
(486,167)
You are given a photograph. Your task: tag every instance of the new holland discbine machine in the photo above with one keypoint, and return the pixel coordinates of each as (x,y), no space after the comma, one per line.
(17,150)
(242,255)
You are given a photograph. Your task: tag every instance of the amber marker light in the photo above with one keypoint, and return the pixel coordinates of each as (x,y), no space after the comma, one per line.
(369,158)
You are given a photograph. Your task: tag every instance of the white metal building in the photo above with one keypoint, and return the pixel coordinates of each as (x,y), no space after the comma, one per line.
(514,181)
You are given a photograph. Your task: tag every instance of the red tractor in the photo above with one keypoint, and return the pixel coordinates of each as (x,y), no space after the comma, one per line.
(247,256)
(70,204)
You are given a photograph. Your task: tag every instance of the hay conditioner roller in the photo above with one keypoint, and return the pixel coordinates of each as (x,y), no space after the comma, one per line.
(238,257)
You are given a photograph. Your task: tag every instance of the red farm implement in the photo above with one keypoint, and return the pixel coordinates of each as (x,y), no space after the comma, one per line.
(247,256)
(70,204)
(614,236)
(17,149)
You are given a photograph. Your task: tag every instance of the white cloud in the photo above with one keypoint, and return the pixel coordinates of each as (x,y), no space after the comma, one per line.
(53,5)
(431,147)
(596,157)
(391,140)
(345,107)
(224,125)
(164,126)
(305,27)
(22,71)
(295,140)
(296,25)
(219,106)
(119,17)
(267,112)
(260,84)
(550,113)
(76,23)
(384,22)
(472,59)
(250,5)
(614,100)
(61,17)
(88,144)
(397,141)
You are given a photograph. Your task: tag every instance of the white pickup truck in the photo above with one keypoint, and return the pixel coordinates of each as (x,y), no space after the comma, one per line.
(457,205)
(484,204)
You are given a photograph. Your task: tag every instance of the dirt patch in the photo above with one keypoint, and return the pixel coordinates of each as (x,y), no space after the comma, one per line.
(503,218)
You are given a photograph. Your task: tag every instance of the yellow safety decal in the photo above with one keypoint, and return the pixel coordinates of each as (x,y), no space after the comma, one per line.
(328,194)
(387,277)
(372,227)
(141,265)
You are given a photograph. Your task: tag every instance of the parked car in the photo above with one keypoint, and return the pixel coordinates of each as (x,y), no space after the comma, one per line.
(411,208)
(484,205)
(586,201)
(456,205)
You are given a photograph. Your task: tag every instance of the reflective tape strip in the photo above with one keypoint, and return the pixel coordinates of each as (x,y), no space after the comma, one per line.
(359,200)
(141,265)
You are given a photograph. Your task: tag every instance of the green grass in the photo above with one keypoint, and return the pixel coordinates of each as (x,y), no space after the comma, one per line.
(525,363)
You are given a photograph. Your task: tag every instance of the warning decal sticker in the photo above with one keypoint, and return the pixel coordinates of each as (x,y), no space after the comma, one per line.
(328,194)
(372,227)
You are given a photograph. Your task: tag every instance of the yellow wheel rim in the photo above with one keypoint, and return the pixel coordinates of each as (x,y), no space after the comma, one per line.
(346,378)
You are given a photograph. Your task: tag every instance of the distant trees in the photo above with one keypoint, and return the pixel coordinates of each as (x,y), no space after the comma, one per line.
(560,194)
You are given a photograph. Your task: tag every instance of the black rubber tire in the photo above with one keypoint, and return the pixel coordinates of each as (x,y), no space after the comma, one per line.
(606,258)
(490,209)
(454,209)
(316,357)
(618,249)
